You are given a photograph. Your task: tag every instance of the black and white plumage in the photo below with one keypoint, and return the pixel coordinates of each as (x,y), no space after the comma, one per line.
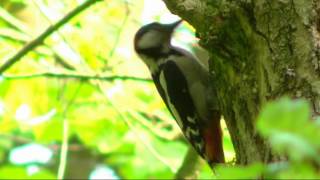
(182,82)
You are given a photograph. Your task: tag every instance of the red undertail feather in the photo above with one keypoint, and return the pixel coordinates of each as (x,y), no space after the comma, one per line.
(214,142)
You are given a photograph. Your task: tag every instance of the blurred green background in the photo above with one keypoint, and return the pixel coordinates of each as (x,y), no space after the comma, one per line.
(54,126)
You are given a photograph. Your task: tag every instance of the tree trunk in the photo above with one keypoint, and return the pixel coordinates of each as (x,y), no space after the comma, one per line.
(260,50)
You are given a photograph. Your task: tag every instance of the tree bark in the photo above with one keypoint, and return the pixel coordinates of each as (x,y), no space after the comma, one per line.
(259,50)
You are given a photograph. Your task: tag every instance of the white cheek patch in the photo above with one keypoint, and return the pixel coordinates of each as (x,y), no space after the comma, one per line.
(171,106)
(150,39)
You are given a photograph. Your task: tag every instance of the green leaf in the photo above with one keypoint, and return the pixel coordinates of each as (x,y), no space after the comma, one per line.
(299,171)
(43,174)
(283,115)
(13,172)
(286,123)
(297,147)
(252,171)
(49,131)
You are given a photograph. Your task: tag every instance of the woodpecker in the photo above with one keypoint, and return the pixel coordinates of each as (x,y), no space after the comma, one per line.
(183,83)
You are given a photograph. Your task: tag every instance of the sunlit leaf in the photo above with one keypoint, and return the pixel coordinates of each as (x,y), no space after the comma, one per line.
(13,172)
(253,171)
(282,123)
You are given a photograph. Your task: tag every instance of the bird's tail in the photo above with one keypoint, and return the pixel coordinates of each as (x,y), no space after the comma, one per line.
(213,141)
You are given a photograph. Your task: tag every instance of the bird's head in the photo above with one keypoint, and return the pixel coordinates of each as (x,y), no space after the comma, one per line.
(153,39)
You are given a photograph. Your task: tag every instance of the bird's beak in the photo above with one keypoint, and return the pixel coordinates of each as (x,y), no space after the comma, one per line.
(172,26)
(175,24)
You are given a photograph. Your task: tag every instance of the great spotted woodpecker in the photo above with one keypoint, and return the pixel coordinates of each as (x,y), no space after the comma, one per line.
(182,83)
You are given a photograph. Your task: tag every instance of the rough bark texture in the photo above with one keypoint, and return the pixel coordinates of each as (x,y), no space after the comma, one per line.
(260,50)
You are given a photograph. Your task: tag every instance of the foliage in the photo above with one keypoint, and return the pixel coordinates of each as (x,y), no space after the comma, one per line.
(293,134)
(121,125)
(117,126)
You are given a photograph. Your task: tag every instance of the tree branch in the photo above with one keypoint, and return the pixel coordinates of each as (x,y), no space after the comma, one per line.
(36,42)
(74,76)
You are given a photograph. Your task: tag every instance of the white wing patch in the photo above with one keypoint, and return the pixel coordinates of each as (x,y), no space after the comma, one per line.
(194,132)
(191,120)
(171,106)
(199,146)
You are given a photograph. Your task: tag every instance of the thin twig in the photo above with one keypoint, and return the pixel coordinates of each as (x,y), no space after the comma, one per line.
(36,42)
(118,34)
(140,137)
(74,76)
(64,149)
(46,16)
(19,139)
(65,136)
(59,58)
(16,23)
